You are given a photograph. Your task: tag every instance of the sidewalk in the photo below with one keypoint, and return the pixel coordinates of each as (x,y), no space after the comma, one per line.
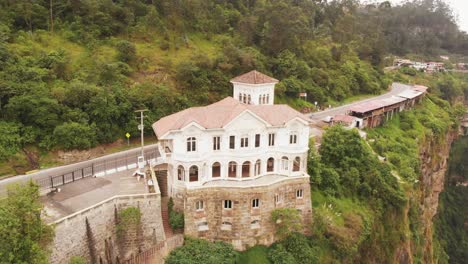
(81,194)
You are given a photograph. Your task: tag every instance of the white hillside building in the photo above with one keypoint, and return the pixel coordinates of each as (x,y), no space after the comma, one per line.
(232,140)
(223,157)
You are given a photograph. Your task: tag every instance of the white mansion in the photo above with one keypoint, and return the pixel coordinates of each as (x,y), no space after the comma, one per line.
(229,164)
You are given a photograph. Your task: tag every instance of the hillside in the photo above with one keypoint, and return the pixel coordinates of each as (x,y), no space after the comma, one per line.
(72,73)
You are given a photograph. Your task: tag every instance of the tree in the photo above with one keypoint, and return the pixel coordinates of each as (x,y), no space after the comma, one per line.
(23,233)
(126,51)
(72,135)
(10,140)
(287,221)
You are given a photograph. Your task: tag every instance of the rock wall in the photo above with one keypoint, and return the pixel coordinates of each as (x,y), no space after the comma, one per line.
(244,226)
(91,233)
(433,155)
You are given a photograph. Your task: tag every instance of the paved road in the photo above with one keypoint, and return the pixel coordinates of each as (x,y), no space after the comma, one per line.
(396,88)
(111,158)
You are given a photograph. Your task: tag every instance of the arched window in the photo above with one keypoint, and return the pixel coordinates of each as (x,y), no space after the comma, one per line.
(246,169)
(240,97)
(232,169)
(191,144)
(297,164)
(244,99)
(268,99)
(180,173)
(257,168)
(249,100)
(216,170)
(285,163)
(270,165)
(193,173)
(260,100)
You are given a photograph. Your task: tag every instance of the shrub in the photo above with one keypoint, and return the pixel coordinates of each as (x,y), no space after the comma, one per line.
(126,51)
(128,219)
(287,221)
(72,135)
(199,251)
(176,219)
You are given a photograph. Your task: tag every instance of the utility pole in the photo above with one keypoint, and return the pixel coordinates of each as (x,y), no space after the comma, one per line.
(141,127)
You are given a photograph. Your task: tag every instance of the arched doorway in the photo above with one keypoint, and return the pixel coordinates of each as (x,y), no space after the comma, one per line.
(216,170)
(270,165)
(193,173)
(246,169)
(232,169)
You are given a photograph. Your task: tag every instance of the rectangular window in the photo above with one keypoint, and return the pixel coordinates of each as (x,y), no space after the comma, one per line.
(299,193)
(244,142)
(277,198)
(227,204)
(191,144)
(216,143)
(199,205)
(293,138)
(257,140)
(232,142)
(271,139)
(255,203)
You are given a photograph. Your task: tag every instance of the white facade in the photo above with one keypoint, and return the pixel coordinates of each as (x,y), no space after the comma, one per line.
(250,158)
(244,147)
(256,94)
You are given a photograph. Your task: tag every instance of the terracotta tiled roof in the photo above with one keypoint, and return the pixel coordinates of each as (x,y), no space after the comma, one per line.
(376,104)
(254,77)
(219,114)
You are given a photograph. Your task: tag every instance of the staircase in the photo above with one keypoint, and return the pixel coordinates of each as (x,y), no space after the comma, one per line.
(165,217)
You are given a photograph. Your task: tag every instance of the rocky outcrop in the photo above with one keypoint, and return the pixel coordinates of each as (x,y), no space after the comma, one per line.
(433,155)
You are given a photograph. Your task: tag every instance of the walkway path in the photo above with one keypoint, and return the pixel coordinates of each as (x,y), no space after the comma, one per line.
(116,160)
(84,193)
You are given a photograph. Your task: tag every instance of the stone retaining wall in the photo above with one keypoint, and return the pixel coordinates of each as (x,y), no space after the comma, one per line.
(91,233)
(243,225)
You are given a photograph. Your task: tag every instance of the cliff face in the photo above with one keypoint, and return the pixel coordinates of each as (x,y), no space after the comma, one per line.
(434,153)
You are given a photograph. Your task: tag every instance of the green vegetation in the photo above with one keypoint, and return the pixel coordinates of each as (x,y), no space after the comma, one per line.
(71,75)
(176,219)
(287,221)
(77,260)
(451,234)
(23,233)
(254,255)
(196,251)
(129,219)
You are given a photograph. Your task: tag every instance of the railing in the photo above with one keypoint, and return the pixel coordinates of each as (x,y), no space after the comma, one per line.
(100,168)
(157,252)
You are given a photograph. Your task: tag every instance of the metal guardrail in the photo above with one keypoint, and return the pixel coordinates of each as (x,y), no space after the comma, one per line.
(96,169)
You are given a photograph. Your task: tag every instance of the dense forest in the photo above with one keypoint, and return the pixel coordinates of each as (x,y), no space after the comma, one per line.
(72,72)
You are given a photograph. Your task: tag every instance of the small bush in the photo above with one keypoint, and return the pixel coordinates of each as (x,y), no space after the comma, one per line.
(176,219)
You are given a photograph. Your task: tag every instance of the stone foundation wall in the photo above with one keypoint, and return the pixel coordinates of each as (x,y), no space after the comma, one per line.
(249,226)
(91,233)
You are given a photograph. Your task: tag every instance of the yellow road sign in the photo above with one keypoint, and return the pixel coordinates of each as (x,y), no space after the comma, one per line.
(127,135)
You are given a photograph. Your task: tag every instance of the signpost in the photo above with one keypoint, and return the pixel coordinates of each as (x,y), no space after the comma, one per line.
(128,138)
